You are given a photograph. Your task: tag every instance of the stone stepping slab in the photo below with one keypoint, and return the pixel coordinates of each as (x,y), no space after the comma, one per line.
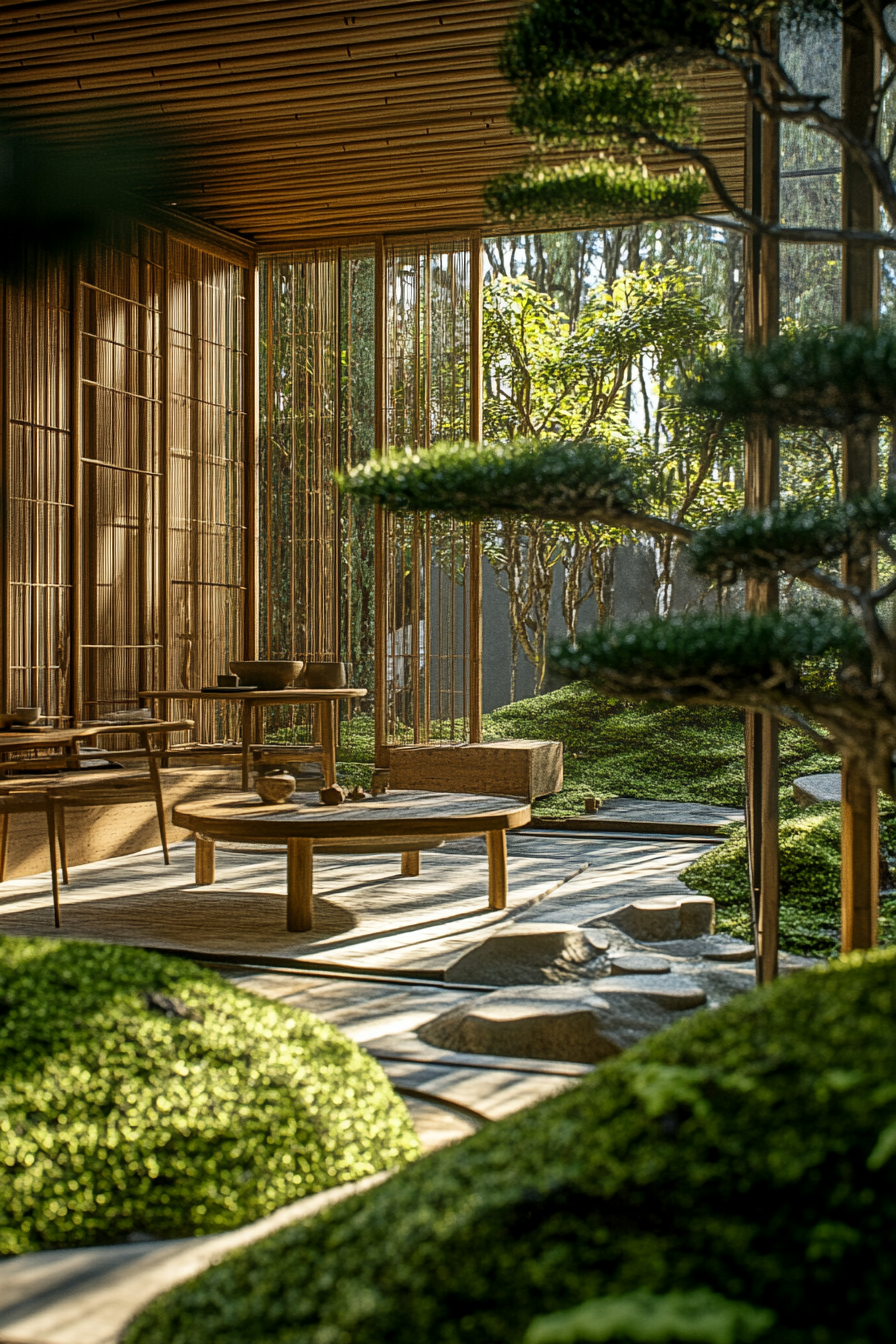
(646,816)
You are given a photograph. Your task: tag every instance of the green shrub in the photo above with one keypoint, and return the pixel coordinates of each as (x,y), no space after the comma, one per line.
(140,1093)
(699,1317)
(749,1151)
(809,850)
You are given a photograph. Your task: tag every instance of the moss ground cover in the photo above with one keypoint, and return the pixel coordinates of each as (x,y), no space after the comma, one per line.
(660,1171)
(809,848)
(144,1094)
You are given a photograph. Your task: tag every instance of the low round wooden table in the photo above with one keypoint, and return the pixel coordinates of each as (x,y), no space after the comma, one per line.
(405,815)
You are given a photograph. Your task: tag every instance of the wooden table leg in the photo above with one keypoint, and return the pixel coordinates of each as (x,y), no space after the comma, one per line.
(299,884)
(327,710)
(205,861)
(410,863)
(247,741)
(496,844)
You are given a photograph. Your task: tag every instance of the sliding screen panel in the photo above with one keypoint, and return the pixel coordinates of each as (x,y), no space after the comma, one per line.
(316,416)
(206,484)
(37,486)
(121,465)
(428,566)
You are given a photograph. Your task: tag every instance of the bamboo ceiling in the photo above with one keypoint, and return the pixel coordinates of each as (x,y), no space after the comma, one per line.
(299,120)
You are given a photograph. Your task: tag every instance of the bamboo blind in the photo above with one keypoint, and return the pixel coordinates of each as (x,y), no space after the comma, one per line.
(125,467)
(291,123)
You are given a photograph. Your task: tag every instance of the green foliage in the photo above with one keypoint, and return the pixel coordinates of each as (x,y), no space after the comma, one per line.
(195,1110)
(604,109)
(593,188)
(558,35)
(816,378)
(683,753)
(730,1153)
(565,34)
(761,544)
(564,480)
(698,1317)
(809,850)
(706,658)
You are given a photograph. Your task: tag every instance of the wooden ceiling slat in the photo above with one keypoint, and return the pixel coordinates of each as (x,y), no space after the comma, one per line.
(286,120)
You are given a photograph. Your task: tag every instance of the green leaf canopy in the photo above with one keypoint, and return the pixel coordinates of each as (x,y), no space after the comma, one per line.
(816,379)
(760,545)
(559,480)
(593,188)
(707,658)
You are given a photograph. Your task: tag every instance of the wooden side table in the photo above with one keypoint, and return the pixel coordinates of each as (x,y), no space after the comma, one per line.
(254,702)
(400,816)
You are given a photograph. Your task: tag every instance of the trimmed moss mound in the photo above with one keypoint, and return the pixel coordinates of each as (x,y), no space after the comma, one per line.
(139,1093)
(750,1151)
(678,753)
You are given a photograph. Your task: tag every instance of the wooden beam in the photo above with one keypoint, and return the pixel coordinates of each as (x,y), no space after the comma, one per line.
(860,845)
(761,490)
(475,561)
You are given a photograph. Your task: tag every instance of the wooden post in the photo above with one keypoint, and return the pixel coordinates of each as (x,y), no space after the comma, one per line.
(761,491)
(860,69)
(205,861)
(410,863)
(380,565)
(496,845)
(299,884)
(475,566)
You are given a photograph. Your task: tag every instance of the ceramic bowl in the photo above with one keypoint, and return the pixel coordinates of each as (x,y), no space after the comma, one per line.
(268,675)
(25,714)
(325,676)
(275,787)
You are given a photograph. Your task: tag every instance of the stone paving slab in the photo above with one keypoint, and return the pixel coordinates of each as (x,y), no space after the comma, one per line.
(88,1295)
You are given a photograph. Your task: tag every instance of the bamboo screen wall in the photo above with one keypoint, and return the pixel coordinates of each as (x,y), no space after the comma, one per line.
(316,414)
(426,571)
(363,347)
(124,470)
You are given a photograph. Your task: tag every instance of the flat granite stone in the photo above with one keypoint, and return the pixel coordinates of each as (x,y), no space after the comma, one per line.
(663,921)
(809,789)
(675,992)
(548,1022)
(638,963)
(527,954)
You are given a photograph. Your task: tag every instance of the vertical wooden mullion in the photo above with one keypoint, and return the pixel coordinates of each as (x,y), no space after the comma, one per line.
(860,844)
(381,604)
(250,370)
(76,558)
(761,491)
(5,594)
(475,558)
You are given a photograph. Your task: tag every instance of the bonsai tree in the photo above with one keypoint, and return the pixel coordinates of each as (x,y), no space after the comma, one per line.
(602,80)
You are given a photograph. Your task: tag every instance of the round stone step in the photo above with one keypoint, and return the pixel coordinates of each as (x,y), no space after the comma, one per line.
(674,992)
(638,963)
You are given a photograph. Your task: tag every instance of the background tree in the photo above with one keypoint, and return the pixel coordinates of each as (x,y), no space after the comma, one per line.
(640,336)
